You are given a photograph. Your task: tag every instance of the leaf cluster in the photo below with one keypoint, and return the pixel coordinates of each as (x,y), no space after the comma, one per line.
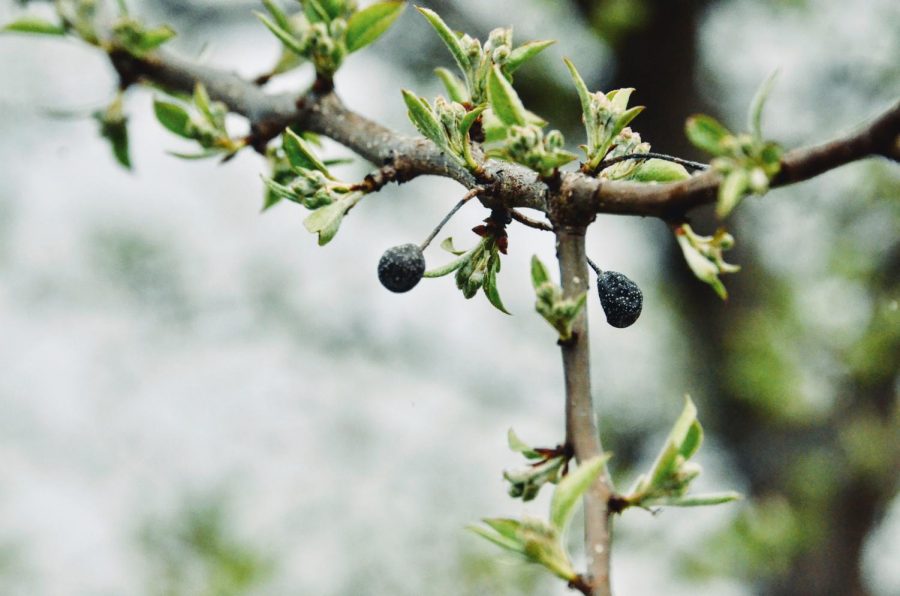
(703,255)
(203,121)
(325,32)
(557,310)
(747,161)
(669,478)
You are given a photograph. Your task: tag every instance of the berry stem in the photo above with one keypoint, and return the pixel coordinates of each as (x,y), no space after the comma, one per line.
(694,165)
(469,195)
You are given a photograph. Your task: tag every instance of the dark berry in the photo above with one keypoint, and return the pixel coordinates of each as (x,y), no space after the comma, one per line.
(620,297)
(401,267)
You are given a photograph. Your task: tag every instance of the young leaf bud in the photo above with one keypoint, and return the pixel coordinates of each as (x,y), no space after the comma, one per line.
(620,297)
(401,267)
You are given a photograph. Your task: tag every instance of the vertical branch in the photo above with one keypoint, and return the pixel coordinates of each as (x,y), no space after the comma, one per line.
(581,428)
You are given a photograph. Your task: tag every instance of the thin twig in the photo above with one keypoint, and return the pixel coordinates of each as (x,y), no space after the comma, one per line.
(466,197)
(531,223)
(695,165)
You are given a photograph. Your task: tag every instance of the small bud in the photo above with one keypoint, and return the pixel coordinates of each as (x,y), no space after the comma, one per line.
(401,267)
(620,297)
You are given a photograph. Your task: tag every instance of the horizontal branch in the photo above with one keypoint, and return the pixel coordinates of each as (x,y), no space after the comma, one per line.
(507,184)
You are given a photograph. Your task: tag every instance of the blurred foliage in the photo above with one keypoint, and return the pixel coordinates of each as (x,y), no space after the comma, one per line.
(195,552)
(142,268)
(613,20)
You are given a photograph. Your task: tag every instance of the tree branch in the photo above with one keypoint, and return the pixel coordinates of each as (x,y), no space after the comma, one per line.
(508,185)
(581,429)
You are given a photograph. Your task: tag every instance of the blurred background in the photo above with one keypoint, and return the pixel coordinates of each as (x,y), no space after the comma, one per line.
(195,399)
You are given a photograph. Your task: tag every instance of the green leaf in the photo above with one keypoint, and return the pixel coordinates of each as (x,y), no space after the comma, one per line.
(706,133)
(450,39)
(539,274)
(334,8)
(519,446)
(34,25)
(456,88)
(281,18)
(203,103)
(524,53)
(452,266)
(666,462)
(315,12)
(490,284)
(325,221)
(584,95)
(570,489)
(285,37)
(370,23)
(508,528)
(659,170)
(504,100)
(469,119)
(756,107)
(300,154)
(424,119)
(691,441)
(153,38)
(174,117)
(731,191)
(626,118)
(206,153)
(511,544)
(447,245)
(114,128)
(693,500)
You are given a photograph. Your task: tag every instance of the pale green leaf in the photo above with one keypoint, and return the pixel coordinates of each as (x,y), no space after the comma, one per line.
(759,101)
(583,94)
(490,284)
(153,38)
(731,191)
(450,39)
(370,23)
(700,500)
(284,36)
(300,154)
(504,100)
(706,133)
(510,544)
(34,25)
(315,11)
(281,18)
(539,274)
(469,119)
(524,53)
(659,170)
(456,88)
(424,119)
(519,446)
(570,489)
(691,441)
(174,117)
(325,221)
